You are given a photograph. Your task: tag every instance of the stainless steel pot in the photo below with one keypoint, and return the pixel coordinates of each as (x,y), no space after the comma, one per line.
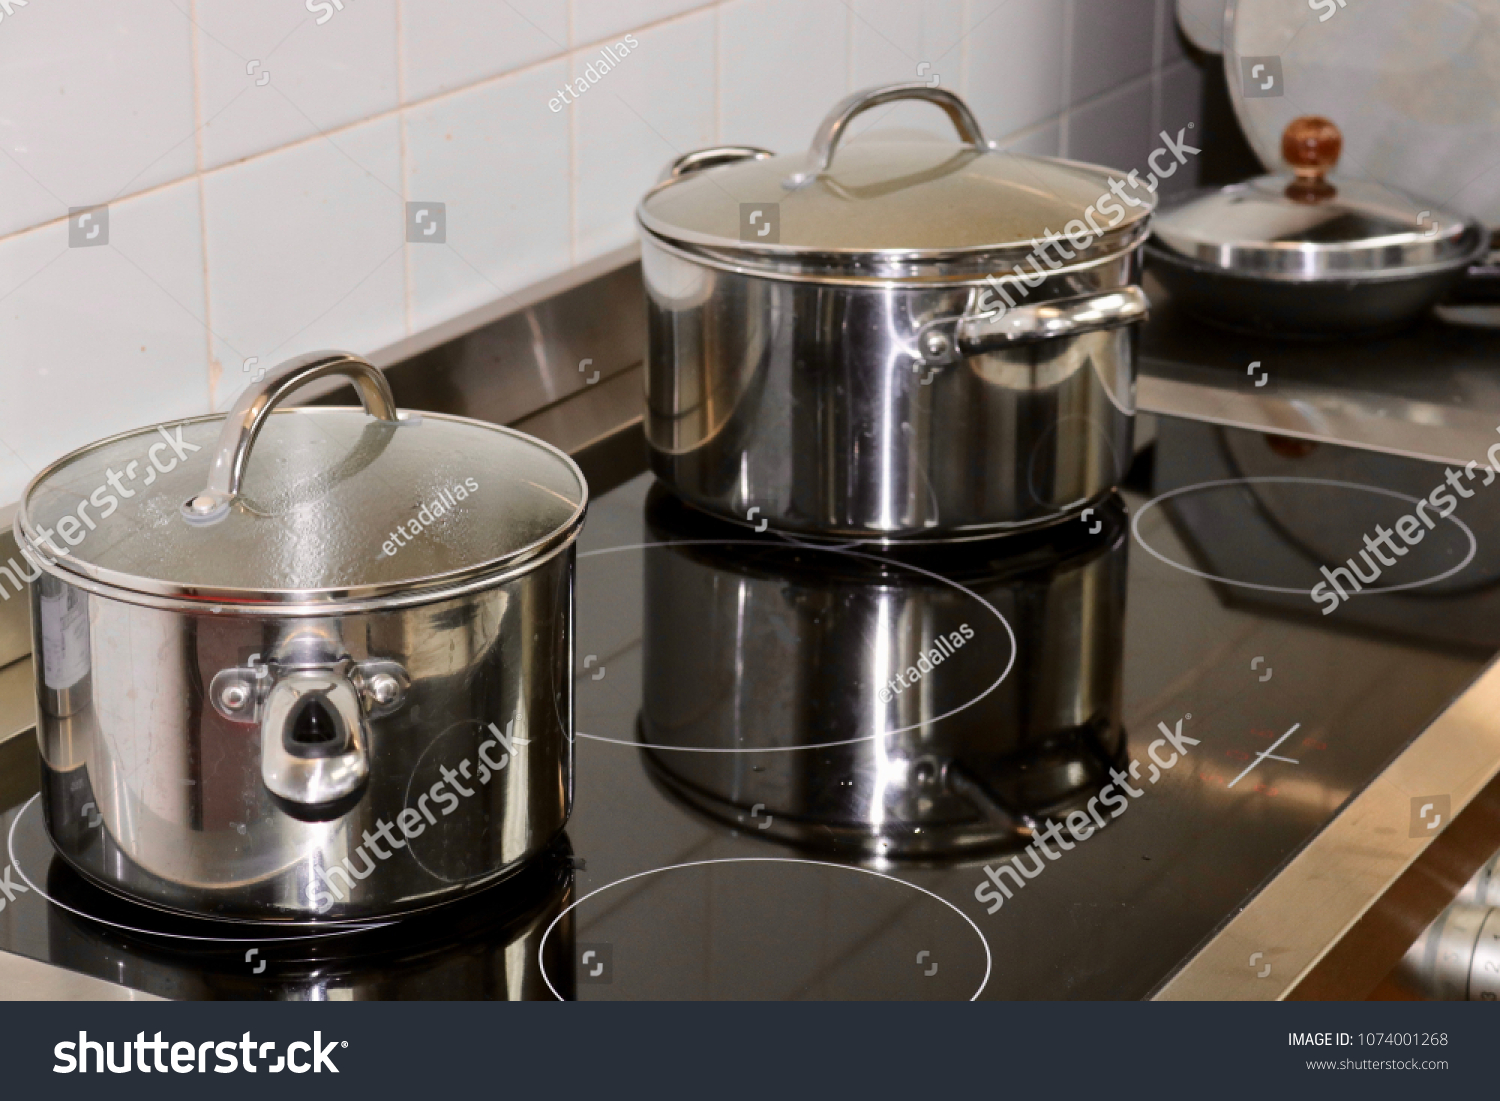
(1303,255)
(847,703)
(917,340)
(328,679)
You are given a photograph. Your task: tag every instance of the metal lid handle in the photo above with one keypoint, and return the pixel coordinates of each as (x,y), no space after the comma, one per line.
(831,130)
(243,423)
(700,159)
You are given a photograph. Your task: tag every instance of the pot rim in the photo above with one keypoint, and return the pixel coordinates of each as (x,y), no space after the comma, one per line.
(313,610)
(905,271)
(298,602)
(1159,250)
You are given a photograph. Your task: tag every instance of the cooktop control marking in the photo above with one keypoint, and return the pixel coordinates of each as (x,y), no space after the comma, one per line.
(1268,755)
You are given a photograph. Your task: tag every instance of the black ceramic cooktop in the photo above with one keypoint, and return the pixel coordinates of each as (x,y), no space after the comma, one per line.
(1045,767)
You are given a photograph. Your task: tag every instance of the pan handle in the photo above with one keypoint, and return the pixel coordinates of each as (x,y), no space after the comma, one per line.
(1002,328)
(244,422)
(833,127)
(700,159)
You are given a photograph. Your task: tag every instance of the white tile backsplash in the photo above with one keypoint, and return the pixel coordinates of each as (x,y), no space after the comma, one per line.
(596,20)
(1017,52)
(98,102)
(271,74)
(497,157)
(896,41)
(652,107)
(449,44)
(97,340)
(1114,129)
(1113,42)
(273,209)
(782,65)
(306,251)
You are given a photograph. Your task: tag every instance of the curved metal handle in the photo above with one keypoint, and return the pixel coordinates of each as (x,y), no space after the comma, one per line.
(831,130)
(244,422)
(1053,320)
(700,159)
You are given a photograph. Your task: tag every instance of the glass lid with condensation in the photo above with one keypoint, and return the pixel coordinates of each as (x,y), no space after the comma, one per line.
(1278,225)
(879,198)
(334,505)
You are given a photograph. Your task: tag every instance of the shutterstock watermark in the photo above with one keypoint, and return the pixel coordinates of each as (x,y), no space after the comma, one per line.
(413,821)
(74,527)
(1082,232)
(1411,529)
(995,891)
(186,1057)
(593,72)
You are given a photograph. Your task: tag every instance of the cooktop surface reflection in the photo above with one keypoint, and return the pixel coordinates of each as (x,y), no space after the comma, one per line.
(1042,767)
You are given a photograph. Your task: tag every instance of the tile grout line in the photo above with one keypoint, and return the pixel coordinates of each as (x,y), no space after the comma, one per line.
(564,55)
(404,155)
(213,376)
(1065,116)
(572,150)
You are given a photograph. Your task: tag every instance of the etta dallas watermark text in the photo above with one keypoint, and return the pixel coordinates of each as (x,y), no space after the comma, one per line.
(447,501)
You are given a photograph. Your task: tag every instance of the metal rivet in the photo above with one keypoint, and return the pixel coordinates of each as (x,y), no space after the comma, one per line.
(934,345)
(234,696)
(201,504)
(384,688)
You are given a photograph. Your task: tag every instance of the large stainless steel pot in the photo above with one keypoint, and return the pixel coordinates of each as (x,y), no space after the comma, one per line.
(850,703)
(334,683)
(915,339)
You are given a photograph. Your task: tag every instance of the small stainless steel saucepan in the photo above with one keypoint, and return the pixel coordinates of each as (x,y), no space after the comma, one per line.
(304,664)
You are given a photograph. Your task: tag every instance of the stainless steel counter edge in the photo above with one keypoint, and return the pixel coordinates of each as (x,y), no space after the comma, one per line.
(1306,908)
(1370,420)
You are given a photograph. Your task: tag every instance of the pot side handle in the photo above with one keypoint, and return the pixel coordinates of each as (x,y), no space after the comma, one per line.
(833,127)
(314,744)
(1002,328)
(243,423)
(700,159)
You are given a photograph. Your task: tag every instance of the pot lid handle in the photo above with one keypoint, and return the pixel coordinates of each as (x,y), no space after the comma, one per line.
(700,159)
(831,129)
(244,422)
(1311,145)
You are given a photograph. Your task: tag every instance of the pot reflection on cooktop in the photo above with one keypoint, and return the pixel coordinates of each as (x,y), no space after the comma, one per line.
(485,946)
(865,706)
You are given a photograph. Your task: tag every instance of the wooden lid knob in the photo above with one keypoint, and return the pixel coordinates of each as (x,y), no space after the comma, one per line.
(1311,145)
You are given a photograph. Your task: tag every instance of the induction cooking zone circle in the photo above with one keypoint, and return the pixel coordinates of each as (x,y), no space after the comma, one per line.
(761,928)
(1337,539)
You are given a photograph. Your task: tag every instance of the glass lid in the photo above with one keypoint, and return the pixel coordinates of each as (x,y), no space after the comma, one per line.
(921,199)
(318,505)
(1308,225)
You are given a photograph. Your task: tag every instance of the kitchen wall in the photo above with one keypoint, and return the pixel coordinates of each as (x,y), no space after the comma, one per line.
(259,163)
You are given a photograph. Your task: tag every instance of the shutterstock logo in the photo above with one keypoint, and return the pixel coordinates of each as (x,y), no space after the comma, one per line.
(185,1057)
